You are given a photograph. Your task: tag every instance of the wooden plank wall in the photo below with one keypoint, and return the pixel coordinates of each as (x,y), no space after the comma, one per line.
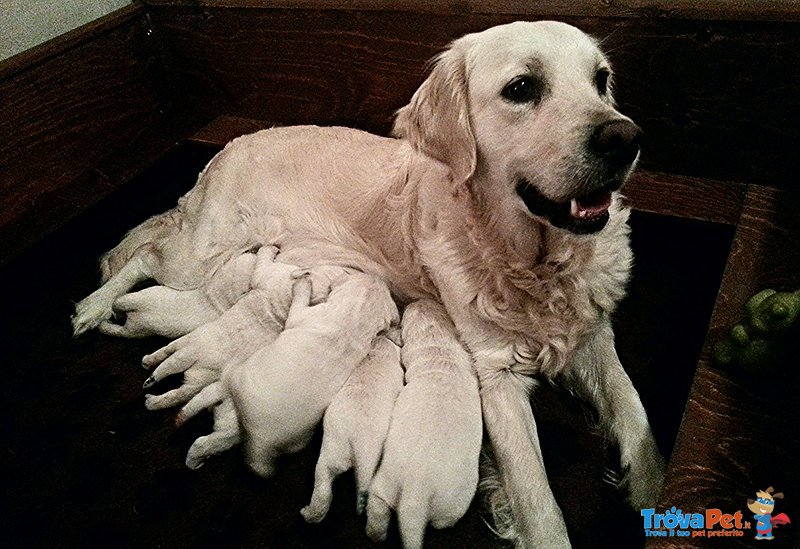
(716,96)
(78,115)
(712,85)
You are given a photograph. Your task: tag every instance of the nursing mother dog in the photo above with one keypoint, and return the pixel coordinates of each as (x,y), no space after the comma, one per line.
(497,196)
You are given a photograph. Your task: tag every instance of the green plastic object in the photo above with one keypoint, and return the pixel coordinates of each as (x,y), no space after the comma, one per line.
(767,336)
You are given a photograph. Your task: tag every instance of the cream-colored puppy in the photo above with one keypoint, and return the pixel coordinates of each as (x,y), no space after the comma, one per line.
(429,471)
(166,312)
(355,426)
(282,391)
(253,322)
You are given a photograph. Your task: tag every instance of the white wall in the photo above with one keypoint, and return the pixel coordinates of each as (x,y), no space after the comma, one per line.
(27,23)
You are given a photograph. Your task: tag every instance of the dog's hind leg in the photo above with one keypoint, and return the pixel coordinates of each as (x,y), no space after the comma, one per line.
(598,376)
(98,306)
(210,396)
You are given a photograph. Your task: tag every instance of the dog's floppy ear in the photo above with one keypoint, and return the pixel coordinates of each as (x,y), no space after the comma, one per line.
(437,120)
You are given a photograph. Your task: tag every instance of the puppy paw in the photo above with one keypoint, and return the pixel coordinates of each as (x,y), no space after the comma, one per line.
(182,394)
(312,515)
(378,515)
(209,445)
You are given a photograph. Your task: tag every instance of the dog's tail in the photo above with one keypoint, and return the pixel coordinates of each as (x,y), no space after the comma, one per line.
(152,230)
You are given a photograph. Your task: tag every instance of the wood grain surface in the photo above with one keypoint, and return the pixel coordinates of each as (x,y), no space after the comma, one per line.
(70,111)
(740,431)
(715,98)
(752,10)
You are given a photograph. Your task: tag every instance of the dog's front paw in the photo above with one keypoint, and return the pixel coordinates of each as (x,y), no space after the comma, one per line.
(644,480)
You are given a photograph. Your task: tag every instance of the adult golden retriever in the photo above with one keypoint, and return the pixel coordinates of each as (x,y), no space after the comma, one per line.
(496,196)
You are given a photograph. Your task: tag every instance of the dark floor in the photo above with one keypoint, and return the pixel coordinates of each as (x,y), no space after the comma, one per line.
(86,465)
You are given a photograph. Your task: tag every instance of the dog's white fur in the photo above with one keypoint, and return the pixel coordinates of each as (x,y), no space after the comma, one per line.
(277,403)
(435,213)
(355,427)
(429,470)
(165,312)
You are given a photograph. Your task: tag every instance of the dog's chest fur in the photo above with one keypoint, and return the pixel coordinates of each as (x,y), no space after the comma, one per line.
(536,314)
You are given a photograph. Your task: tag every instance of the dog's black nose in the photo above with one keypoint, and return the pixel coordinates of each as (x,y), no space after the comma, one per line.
(616,141)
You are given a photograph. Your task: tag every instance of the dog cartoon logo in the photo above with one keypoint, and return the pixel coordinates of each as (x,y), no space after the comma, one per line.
(762,508)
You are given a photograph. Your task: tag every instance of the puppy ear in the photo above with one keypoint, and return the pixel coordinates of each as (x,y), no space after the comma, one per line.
(750,501)
(779,495)
(437,120)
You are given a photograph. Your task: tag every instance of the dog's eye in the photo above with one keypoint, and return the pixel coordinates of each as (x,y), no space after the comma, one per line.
(523,89)
(601,81)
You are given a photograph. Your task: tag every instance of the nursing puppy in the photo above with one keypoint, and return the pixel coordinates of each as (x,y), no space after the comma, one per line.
(429,471)
(166,312)
(282,391)
(269,300)
(355,426)
(254,321)
(498,197)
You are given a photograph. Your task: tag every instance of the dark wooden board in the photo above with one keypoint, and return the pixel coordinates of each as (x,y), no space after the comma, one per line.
(715,98)
(76,115)
(750,10)
(740,431)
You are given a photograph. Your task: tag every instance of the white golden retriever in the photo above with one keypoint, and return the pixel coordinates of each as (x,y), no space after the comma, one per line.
(497,196)
(429,470)
(283,390)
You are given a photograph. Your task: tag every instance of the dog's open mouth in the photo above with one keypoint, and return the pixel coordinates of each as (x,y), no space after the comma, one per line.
(584,214)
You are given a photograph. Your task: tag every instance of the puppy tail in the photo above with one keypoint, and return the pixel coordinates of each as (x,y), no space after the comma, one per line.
(156,228)
(495,500)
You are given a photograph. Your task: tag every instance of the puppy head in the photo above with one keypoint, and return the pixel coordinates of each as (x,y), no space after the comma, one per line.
(524,112)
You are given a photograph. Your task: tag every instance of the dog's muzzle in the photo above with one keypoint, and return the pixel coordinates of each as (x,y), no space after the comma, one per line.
(613,147)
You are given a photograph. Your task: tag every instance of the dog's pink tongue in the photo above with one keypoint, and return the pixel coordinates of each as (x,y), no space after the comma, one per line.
(591,206)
